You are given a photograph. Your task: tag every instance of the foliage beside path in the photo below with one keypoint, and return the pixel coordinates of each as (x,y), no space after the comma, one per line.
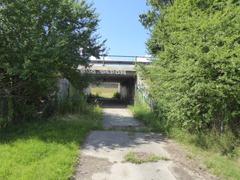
(219,154)
(194,81)
(41,42)
(45,149)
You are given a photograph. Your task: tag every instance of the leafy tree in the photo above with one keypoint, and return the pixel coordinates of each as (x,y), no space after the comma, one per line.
(156,9)
(41,41)
(196,77)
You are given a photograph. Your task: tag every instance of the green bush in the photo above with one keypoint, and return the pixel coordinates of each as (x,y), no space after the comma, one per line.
(195,78)
(117,95)
(40,43)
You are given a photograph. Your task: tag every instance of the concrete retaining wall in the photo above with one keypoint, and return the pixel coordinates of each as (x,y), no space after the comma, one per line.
(63,88)
(142,92)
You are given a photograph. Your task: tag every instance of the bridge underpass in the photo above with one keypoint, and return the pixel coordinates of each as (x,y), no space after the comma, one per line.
(117,69)
(126,84)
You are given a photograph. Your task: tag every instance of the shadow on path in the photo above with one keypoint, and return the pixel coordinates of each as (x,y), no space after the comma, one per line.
(118,139)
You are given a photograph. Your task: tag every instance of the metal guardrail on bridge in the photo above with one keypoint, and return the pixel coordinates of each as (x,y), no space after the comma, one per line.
(121,60)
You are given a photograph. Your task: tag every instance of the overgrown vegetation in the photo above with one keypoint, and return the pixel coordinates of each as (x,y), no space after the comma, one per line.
(76,103)
(41,42)
(219,153)
(195,80)
(49,150)
(213,151)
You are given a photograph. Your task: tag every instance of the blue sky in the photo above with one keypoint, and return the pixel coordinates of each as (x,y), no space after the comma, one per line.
(120,26)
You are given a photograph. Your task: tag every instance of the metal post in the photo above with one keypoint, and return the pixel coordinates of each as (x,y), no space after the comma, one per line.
(103,60)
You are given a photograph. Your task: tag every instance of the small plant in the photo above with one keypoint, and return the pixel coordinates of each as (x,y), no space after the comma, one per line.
(142,157)
(117,95)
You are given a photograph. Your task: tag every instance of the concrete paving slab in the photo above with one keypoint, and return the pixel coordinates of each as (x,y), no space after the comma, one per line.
(113,145)
(118,118)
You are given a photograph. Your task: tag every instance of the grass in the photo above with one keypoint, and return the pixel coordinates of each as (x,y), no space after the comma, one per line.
(104,92)
(45,149)
(140,157)
(215,152)
(142,112)
(224,166)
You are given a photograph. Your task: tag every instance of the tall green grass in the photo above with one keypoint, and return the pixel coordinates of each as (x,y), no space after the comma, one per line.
(74,104)
(45,149)
(211,150)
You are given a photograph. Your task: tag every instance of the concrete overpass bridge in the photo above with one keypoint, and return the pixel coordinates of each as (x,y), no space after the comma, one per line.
(117,69)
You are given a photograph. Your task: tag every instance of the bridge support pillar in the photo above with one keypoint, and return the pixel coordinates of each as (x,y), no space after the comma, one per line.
(127,89)
(123,92)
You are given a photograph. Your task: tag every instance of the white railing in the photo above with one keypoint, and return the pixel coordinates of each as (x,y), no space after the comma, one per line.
(119,59)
